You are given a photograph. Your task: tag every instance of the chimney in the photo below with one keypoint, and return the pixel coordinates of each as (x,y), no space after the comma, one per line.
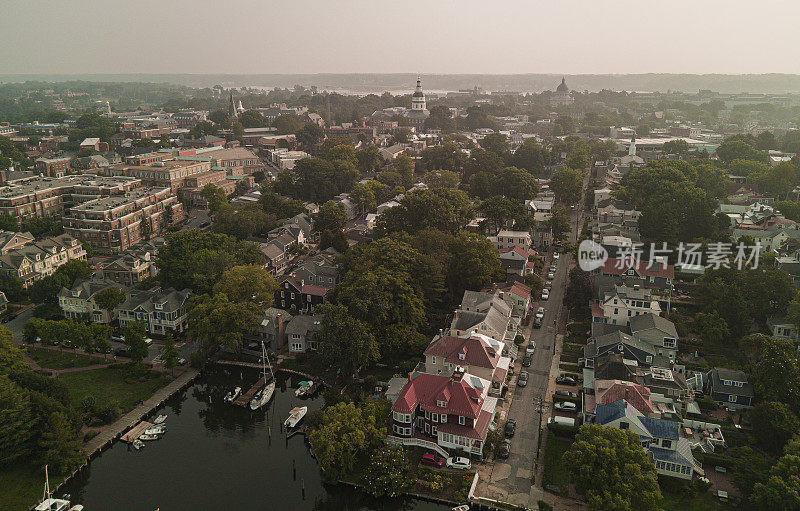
(441,333)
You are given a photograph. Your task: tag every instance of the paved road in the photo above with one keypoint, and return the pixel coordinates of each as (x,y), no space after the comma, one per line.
(513,476)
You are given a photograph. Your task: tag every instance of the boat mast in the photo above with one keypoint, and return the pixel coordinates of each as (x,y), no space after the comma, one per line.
(46,485)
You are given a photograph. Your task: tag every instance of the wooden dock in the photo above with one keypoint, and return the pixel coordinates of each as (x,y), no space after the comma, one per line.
(245,397)
(136,431)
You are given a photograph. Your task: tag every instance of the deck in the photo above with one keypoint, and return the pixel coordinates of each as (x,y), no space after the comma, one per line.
(136,431)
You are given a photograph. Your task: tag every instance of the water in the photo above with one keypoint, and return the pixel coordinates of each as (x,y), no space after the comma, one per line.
(216,456)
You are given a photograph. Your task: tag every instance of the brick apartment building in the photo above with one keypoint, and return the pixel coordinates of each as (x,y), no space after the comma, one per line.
(44,196)
(167,174)
(52,167)
(113,224)
(237,161)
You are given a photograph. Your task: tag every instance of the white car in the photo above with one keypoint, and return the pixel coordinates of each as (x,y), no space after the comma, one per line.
(459,463)
(148,341)
(540,313)
(551,276)
(545,294)
(531,347)
(555,256)
(565,405)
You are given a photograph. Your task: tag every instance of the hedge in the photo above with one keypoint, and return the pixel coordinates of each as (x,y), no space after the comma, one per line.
(562,430)
(715,459)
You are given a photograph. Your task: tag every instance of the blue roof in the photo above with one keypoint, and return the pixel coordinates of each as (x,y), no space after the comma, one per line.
(660,428)
(611,412)
(669,456)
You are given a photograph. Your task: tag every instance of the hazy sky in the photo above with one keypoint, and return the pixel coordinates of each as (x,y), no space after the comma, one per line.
(426,36)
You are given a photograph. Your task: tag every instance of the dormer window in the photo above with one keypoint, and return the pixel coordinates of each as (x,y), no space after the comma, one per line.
(461,420)
(461,356)
(441,404)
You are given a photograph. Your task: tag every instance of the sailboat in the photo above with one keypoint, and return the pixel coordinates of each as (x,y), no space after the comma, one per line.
(263,396)
(48,503)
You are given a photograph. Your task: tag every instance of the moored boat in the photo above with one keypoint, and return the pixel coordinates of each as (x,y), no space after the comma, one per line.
(148,437)
(160,419)
(137,444)
(263,396)
(49,503)
(230,396)
(305,388)
(295,416)
(155,431)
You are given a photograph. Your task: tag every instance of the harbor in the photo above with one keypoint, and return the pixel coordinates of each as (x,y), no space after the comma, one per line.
(219,456)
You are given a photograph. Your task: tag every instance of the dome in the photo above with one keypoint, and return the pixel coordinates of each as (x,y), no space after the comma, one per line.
(418,94)
(563,87)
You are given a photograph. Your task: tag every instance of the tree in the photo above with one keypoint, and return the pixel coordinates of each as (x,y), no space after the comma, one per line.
(62,450)
(481,160)
(346,433)
(333,239)
(368,195)
(531,156)
(214,196)
(169,354)
(612,469)
(135,333)
(440,118)
(567,185)
(319,180)
(578,158)
(497,143)
(514,183)
(441,179)
(501,211)
(287,123)
(711,326)
(243,222)
(730,150)
(16,421)
(309,136)
(218,117)
(109,298)
(197,259)
(219,321)
(369,159)
(559,224)
(781,490)
(388,473)
(475,263)
(242,187)
(444,209)
(404,166)
(248,283)
(253,119)
(775,373)
(677,146)
(331,217)
(773,425)
(446,156)
(579,288)
(42,226)
(8,223)
(348,342)
(11,285)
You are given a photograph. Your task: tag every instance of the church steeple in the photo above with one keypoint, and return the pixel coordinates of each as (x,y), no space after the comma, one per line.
(232,108)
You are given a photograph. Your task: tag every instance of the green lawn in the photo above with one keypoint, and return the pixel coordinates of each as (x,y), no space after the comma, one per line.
(21,487)
(112,385)
(554,471)
(699,502)
(56,359)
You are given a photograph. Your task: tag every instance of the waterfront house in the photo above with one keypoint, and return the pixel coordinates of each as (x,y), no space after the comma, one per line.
(161,311)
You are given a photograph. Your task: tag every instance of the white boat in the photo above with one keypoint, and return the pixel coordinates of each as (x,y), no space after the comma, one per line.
(159,419)
(230,396)
(48,503)
(148,437)
(263,396)
(137,444)
(76,507)
(305,388)
(295,416)
(155,431)
(463,507)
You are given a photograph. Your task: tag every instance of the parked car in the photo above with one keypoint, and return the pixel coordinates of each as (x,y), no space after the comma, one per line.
(459,463)
(148,341)
(181,361)
(526,361)
(522,381)
(531,347)
(537,323)
(566,406)
(551,276)
(564,421)
(540,313)
(118,338)
(432,459)
(548,286)
(555,256)
(566,393)
(545,294)
(511,427)
(565,380)
(505,449)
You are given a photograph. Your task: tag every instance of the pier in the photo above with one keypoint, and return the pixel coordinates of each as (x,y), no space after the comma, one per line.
(245,397)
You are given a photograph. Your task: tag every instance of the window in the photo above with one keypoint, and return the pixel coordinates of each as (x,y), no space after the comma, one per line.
(433,360)
(732,398)
(435,417)
(296,346)
(461,356)
(443,418)
(666,444)
(461,420)
(648,359)
(624,425)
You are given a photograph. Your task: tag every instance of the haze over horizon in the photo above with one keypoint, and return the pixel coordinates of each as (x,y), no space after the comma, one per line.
(363,36)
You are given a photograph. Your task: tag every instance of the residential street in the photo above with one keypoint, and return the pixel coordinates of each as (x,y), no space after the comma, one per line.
(510,480)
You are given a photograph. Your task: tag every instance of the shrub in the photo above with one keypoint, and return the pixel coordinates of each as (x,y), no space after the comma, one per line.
(562,430)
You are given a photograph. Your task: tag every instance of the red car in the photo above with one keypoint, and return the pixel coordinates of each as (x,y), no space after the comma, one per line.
(432,460)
